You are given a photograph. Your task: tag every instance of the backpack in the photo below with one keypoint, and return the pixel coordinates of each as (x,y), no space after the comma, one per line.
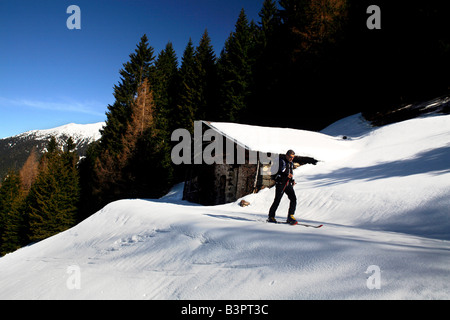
(278,177)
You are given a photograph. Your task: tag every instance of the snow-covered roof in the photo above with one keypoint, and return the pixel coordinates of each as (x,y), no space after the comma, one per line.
(279,140)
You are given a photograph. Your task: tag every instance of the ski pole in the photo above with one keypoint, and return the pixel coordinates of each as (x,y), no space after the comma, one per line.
(285,185)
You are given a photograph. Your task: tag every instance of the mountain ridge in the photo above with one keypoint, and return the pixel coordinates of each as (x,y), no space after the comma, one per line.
(15,150)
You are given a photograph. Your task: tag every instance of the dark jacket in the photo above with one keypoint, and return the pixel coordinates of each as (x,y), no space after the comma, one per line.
(284,169)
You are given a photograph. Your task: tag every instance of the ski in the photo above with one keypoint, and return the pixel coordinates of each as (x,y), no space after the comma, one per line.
(301,224)
(310,225)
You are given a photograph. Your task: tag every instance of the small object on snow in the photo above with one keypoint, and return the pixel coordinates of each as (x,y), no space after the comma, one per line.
(244,203)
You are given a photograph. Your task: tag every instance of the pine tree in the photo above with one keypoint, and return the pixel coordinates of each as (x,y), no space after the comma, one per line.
(309,62)
(268,24)
(70,145)
(267,69)
(205,87)
(101,178)
(142,113)
(71,179)
(235,70)
(312,24)
(52,146)
(53,198)
(142,123)
(29,170)
(149,152)
(148,172)
(166,89)
(90,199)
(185,103)
(10,214)
(124,174)
(133,73)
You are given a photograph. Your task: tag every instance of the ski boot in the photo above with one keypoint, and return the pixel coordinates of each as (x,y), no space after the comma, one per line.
(272,220)
(291,220)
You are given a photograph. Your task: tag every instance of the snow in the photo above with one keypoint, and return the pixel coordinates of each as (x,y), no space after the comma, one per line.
(279,140)
(383,196)
(76,131)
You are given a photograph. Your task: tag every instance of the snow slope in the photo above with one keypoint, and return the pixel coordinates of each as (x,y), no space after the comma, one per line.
(383,201)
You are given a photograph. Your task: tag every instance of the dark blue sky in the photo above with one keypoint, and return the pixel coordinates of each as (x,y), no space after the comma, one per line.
(50,75)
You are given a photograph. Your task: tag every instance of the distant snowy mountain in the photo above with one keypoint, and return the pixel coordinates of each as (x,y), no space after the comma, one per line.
(384,207)
(15,150)
(78,132)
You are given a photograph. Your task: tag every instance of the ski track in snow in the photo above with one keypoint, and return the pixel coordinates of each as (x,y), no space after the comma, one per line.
(384,201)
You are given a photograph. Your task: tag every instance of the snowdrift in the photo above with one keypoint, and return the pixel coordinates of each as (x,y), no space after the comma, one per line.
(382,194)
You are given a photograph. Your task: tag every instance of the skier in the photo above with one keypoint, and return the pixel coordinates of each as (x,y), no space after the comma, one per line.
(284,184)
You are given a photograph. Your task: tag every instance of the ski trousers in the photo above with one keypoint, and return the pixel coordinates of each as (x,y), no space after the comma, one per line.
(289,190)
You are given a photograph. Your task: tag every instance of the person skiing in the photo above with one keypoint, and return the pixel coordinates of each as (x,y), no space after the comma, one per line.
(284,183)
